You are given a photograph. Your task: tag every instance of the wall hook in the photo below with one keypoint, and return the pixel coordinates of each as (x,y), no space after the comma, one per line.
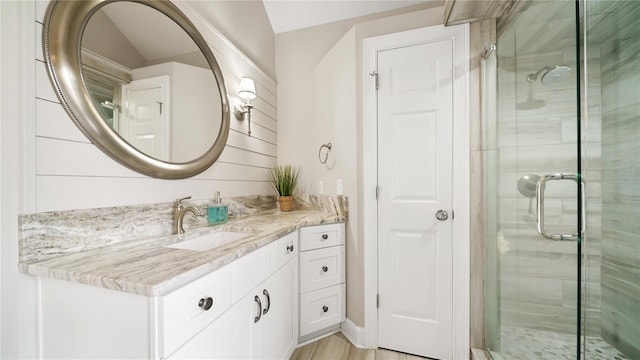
(326,153)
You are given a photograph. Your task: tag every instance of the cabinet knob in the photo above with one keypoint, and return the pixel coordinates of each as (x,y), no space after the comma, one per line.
(325,308)
(325,236)
(290,248)
(205,304)
(325,269)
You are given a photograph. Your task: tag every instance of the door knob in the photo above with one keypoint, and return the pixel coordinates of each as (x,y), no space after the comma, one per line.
(442,215)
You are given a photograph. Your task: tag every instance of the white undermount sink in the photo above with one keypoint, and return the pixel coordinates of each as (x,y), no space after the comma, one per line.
(209,241)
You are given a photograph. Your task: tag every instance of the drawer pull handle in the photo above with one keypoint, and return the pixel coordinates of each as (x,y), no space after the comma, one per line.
(325,236)
(325,269)
(290,248)
(266,309)
(257,300)
(205,304)
(325,308)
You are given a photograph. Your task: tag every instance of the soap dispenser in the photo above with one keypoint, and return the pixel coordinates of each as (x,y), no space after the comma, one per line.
(217,212)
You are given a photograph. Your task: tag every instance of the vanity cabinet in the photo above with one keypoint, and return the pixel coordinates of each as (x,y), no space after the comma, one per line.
(263,323)
(322,277)
(247,309)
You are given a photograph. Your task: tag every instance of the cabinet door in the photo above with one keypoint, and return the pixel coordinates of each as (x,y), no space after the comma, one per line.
(276,332)
(228,337)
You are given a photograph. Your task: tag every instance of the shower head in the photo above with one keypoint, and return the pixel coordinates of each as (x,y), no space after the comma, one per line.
(557,74)
(550,74)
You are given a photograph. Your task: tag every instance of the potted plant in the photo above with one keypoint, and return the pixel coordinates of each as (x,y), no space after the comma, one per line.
(284,180)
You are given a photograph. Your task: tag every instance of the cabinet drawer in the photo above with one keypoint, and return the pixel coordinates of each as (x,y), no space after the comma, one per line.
(181,316)
(321,268)
(250,270)
(287,248)
(321,308)
(315,237)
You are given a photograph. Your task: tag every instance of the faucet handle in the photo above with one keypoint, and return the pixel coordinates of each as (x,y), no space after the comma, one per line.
(178,203)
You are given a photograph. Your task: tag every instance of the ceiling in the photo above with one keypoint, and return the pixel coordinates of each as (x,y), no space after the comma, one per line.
(289,15)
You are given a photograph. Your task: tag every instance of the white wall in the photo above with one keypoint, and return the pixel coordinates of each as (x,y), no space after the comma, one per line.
(48,165)
(320,100)
(17,291)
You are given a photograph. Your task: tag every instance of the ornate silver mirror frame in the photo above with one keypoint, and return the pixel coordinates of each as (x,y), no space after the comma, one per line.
(64,25)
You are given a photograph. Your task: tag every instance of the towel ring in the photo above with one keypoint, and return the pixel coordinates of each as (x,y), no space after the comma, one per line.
(326,154)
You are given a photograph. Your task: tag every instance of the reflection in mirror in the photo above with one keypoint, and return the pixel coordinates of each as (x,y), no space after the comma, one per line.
(150,82)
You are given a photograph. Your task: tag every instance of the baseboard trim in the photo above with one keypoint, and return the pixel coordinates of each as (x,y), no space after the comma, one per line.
(353,333)
(318,335)
(479,354)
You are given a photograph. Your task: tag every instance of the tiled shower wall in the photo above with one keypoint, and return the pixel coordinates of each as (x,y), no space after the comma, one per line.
(621,188)
(537,134)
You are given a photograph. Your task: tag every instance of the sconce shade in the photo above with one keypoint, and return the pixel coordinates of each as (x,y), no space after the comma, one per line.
(247,89)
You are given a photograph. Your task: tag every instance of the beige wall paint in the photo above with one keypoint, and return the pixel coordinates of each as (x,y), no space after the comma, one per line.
(319,73)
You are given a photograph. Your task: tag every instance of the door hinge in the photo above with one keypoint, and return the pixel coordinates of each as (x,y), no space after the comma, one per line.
(453,214)
(377,301)
(375,77)
(377,192)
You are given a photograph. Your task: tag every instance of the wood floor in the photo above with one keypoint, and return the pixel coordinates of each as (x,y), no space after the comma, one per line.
(337,347)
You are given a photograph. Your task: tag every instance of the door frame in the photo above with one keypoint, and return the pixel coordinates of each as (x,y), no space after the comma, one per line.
(461,177)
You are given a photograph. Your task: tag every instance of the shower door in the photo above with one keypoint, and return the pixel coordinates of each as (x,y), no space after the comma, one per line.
(538,222)
(538,186)
(562,184)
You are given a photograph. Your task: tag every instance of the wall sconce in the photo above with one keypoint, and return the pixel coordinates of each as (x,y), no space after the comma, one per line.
(247,93)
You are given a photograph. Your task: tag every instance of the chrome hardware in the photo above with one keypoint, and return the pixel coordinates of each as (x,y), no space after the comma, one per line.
(488,51)
(327,146)
(442,215)
(375,76)
(179,211)
(325,236)
(257,300)
(266,309)
(325,269)
(205,304)
(290,248)
(540,186)
(325,308)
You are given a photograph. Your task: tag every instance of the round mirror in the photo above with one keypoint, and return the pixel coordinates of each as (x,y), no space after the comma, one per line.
(140,82)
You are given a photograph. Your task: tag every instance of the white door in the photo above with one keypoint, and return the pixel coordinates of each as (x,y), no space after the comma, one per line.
(145,123)
(415,121)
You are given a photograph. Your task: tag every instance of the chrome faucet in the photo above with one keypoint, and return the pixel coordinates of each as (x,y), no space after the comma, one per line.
(179,211)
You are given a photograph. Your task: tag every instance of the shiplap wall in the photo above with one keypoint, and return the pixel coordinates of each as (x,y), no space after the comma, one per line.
(70,173)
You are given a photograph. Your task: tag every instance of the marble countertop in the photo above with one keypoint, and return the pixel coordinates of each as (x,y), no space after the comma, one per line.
(148,267)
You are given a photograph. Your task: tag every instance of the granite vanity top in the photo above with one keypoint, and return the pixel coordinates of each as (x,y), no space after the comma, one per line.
(147,267)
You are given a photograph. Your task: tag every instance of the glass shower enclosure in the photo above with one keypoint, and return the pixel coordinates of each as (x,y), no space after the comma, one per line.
(562,193)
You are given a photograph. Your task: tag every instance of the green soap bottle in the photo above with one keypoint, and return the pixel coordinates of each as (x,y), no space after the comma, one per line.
(217,213)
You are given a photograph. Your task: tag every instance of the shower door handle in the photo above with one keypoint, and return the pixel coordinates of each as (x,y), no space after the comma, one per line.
(540,185)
